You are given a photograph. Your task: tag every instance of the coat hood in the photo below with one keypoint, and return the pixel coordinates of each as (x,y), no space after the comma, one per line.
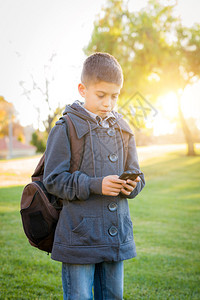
(81,119)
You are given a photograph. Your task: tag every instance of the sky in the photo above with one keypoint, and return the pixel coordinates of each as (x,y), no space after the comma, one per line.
(32,30)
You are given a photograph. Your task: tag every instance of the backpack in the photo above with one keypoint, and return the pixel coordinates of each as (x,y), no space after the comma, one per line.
(39,209)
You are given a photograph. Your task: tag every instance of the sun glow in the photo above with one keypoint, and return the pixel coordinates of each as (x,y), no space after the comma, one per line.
(190,101)
(167,106)
(166,120)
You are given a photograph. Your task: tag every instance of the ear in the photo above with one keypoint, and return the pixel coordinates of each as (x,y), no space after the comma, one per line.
(82,89)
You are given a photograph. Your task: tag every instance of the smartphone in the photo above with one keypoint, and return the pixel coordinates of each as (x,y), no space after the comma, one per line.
(132,175)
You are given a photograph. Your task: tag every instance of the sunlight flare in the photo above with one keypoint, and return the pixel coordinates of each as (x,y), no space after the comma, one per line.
(169,104)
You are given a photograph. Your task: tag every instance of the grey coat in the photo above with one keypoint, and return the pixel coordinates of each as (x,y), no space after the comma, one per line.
(92,227)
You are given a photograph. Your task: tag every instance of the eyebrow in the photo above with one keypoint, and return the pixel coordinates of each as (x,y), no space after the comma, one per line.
(106,93)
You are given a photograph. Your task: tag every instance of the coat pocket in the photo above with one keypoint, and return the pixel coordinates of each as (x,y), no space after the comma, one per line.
(88,232)
(126,229)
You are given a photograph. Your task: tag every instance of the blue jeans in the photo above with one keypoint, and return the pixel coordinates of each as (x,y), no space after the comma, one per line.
(106,278)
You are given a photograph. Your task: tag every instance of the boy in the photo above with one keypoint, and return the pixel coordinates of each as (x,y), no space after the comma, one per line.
(94,233)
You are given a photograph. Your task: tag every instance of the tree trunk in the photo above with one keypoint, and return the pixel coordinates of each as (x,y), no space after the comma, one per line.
(186,130)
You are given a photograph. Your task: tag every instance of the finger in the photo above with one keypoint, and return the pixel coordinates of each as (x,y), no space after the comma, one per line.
(132,183)
(128,187)
(115,190)
(117,180)
(113,194)
(125,192)
(116,186)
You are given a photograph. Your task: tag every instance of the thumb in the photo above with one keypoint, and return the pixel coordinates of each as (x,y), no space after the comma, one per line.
(137,179)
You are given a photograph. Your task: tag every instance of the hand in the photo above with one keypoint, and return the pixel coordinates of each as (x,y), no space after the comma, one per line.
(112,185)
(129,186)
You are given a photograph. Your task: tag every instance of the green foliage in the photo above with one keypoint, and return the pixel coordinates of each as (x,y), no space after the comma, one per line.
(39,141)
(189,43)
(156,52)
(166,230)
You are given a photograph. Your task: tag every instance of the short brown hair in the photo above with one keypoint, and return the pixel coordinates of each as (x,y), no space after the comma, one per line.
(101,67)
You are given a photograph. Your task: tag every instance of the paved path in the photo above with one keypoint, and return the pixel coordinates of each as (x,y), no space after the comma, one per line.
(18,171)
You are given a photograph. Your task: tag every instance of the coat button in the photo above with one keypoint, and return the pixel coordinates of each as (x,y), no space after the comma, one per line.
(112,206)
(111,132)
(112,231)
(113,157)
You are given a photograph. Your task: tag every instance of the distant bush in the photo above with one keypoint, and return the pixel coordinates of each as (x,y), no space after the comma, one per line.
(39,141)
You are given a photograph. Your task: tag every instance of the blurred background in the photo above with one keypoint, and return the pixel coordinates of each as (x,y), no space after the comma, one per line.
(45,43)
(157,43)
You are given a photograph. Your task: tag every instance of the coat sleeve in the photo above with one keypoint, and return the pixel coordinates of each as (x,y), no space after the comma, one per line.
(57,178)
(133,164)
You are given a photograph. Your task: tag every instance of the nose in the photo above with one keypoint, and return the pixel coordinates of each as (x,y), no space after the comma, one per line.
(107,102)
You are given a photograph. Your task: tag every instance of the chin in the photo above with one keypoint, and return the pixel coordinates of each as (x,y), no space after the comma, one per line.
(104,114)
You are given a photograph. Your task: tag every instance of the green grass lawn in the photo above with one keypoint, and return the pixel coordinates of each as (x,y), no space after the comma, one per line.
(166,228)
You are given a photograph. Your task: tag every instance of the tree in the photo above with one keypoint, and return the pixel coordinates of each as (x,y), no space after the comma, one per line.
(156,52)
(6,109)
(188,50)
(44,92)
(7,115)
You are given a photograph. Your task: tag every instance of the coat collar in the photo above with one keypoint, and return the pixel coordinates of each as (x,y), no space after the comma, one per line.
(124,126)
(83,122)
(82,125)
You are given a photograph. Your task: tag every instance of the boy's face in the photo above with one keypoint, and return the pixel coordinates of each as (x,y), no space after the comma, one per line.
(100,98)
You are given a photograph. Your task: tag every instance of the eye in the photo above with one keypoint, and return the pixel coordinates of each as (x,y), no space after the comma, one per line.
(100,96)
(114,97)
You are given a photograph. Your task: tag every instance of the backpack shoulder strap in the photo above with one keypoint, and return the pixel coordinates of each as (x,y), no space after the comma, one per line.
(76,145)
(76,152)
(39,170)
